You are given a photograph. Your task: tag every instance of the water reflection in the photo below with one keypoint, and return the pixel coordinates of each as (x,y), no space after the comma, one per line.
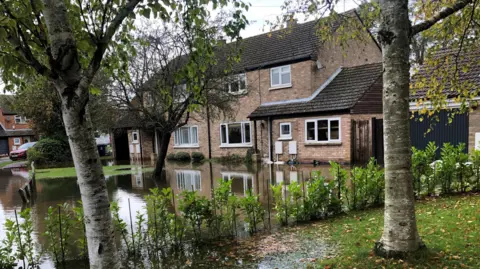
(129,190)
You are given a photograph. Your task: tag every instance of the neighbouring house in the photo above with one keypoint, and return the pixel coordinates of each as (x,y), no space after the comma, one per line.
(15,129)
(284,66)
(464,128)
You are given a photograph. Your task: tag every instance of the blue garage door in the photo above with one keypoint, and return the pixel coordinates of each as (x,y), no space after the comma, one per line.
(454,133)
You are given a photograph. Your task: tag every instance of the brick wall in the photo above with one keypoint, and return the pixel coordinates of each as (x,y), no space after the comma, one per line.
(305,78)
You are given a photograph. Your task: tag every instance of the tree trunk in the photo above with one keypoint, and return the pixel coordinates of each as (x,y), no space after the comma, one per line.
(102,251)
(162,154)
(400,235)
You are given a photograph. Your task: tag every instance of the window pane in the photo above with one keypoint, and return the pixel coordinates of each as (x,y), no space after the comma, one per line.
(275,77)
(286,78)
(334,129)
(285,130)
(235,133)
(286,69)
(322,130)
(247,132)
(223,133)
(194,135)
(234,86)
(185,135)
(311,130)
(243,84)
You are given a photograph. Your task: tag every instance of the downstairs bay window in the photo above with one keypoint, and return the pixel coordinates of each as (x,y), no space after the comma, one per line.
(322,130)
(236,134)
(186,136)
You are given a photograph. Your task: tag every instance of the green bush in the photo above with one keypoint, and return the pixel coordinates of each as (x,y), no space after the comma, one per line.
(49,151)
(182,156)
(197,157)
(171,157)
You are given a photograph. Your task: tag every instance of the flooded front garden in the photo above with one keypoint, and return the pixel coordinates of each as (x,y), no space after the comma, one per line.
(209,215)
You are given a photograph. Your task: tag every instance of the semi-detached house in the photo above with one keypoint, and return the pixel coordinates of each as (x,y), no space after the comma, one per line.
(299,94)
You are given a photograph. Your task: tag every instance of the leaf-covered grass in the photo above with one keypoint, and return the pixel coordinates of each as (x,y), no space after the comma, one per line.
(70,171)
(450,228)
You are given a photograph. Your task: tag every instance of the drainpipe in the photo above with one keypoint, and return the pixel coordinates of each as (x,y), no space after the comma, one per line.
(269,133)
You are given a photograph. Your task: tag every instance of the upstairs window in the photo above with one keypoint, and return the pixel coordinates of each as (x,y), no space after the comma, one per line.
(236,134)
(186,136)
(20,119)
(322,130)
(235,84)
(280,77)
(285,130)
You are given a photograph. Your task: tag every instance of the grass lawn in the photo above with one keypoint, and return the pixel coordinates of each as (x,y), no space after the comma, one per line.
(3,164)
(70,171)
(450,227)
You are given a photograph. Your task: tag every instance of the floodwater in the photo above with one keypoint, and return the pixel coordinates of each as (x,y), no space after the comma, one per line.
(131,189)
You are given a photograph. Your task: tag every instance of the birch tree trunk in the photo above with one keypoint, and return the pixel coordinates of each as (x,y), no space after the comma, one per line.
(72,84)
(400,235)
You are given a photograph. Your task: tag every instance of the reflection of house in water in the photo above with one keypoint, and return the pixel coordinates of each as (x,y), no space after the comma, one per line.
(241,182)
(188,180)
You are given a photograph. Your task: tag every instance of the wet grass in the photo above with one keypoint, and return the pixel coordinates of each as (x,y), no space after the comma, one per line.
(115,170)
(450,227)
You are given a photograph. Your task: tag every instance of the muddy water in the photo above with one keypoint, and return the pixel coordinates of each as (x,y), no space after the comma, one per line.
(131,189)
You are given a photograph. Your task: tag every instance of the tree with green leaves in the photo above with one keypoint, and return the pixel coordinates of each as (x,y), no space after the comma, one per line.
(157,88)
(447,23)
(66,43)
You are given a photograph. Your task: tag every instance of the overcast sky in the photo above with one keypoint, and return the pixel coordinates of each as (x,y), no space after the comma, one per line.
(263,10)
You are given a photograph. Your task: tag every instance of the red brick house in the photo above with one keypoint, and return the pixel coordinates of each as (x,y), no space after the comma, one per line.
(282,66)
(14,128)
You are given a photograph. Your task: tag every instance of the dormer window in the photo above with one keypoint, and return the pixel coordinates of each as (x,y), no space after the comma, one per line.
(236,84)
(280,77)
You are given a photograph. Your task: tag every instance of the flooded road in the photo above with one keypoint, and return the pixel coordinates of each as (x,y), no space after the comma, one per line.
(132,188)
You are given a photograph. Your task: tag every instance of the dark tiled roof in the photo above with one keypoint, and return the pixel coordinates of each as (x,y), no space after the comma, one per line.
(128,119)
(342,93)
(6,102)
(290,44)
(445,70)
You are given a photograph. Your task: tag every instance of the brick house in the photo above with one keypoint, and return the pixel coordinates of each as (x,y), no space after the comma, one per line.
(275,66)
(14,129)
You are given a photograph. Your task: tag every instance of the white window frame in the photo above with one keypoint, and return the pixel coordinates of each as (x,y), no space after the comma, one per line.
(242,128)
(237,79)
(329,129)
(194,176)
(284,136)
(246,177)
(176,143)
(15,139)
(281,84)
(21,119)
(135,141)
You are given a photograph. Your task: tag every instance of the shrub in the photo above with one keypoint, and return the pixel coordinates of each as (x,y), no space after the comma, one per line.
(182,156)
(49,151)
(171,157)
(197,157)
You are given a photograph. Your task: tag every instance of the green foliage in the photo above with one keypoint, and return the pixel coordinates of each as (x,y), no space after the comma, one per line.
(475,180)
(197,157)
(182,156)
(197,211)
(249,155)
(7,254)
(319,192)
(282,203)
(253,209)
(171,157)
(423,172)
(230,159)
(60,229)
(49,151)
